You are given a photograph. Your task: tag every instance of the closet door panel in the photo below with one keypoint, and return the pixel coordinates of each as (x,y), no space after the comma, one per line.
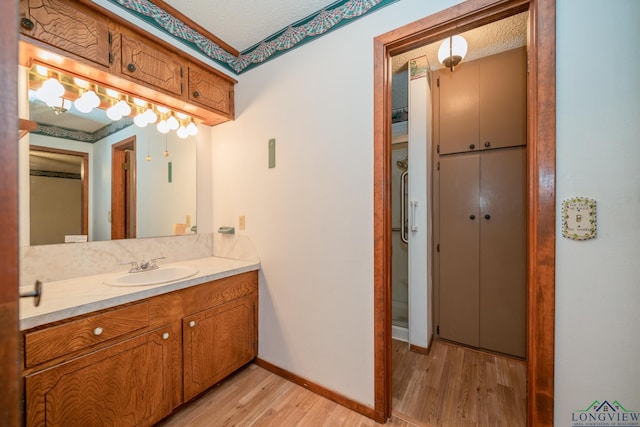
(503,100)
(503,250)
(459,114)
(459,245)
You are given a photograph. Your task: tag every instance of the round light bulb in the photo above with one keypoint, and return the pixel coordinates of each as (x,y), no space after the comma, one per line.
(123,107)
(50,90)
(140,121)
(162,126)
(114,113)
(192,129)
(150,115)
(182,132)
(82,105)
(172,123)
(91,99)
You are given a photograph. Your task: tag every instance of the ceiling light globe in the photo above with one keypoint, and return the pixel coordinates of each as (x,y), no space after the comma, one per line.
(452,51)
(123,107)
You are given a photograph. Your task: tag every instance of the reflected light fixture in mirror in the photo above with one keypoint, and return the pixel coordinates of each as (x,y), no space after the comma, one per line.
(452,51)
(59,90)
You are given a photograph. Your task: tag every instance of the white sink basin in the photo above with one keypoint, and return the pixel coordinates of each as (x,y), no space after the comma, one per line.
(153,277)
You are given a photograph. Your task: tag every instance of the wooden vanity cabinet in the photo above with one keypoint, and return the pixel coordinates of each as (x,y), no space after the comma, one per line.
(132,365)
(132,383)
(73,28)
(217,342)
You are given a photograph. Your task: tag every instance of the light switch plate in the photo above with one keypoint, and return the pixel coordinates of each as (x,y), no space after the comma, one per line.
(579,218)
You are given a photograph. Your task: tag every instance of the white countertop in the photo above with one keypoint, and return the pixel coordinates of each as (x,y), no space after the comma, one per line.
(67,298)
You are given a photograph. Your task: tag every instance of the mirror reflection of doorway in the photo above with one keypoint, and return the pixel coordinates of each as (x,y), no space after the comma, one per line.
(123,189)
(58,195)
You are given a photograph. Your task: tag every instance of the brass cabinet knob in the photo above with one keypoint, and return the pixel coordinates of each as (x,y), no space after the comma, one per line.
(98,331)
(131,67)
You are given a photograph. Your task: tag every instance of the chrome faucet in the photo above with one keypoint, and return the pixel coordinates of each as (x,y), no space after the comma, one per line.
(140,266)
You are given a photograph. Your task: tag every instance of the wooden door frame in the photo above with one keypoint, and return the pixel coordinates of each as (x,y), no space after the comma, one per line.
(84,177)
(10,383)
(118,210)
(541,149)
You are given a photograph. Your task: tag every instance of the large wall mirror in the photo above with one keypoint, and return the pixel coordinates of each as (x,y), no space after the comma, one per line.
(90,178)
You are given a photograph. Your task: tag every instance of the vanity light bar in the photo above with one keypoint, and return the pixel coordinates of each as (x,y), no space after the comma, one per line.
(117,104)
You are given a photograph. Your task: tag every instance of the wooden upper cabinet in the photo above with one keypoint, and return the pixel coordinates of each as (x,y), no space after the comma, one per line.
(217,342)
(132,383)
(482,104)
(210,90)
(150,65)
(72,28)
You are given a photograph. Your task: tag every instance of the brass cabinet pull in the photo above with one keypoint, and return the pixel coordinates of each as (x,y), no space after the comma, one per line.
(165,336)
(98,331)
(487,144)
(192,323)
(196,94)
(472,217)
(472,146)
(131,67)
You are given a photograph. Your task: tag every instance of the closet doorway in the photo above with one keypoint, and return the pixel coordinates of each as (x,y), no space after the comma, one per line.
(540,190)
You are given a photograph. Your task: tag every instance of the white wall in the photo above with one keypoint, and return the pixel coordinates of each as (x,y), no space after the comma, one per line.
(598,154)
(311,218)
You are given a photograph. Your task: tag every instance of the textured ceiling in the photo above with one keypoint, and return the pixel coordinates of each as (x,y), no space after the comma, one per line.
(496,37)
(243,23)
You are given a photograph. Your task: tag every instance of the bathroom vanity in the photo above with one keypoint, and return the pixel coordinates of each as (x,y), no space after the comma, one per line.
(134,354)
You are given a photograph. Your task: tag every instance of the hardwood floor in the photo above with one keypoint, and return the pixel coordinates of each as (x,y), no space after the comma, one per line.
(451,386)
(458,386)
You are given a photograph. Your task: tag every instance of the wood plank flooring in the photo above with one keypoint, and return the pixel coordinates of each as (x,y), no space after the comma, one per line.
(458,386)
(451,386)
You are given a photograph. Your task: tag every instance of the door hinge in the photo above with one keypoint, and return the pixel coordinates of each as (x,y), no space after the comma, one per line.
(110,38)
(438,165)
(438,148)
(125,166)
(110,58)
(438,247)
(438,329)
(438,81)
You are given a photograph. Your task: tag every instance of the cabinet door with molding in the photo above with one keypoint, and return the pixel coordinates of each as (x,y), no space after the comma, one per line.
(151,66)
(217,342)
(132,383)
(68,26)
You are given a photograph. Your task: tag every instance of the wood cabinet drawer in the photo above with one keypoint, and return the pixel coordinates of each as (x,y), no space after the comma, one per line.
(210,90)
(149,65)
(72,28)
(47,344)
